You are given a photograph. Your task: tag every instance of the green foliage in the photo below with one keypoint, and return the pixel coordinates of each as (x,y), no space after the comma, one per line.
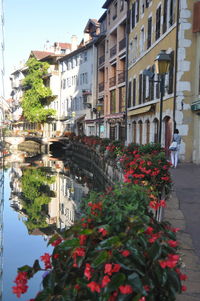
(36,195)
(36,95)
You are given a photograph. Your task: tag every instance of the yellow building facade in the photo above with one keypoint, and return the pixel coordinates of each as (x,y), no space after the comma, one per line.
(154,26)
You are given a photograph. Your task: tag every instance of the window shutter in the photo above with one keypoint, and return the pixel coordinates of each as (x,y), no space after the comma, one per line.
(165,16)
(151,85)
(133,15)
(196,17)
(147,3)
(158,16)
(158,87)
(134,91)
(129,95)
(140,88)
(144,88)
(138,10)
(171,73)
(149,32)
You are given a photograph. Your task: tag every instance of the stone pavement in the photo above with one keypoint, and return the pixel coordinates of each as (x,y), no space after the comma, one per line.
(183,211)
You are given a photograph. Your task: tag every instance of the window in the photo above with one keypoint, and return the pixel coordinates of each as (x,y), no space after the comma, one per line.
(122,95)
(129,94)
(165,9)
(171,74)
(112,101)
(149,30)
(144,88)
(140,88)
(142,40)
(134,132)
(147,131)
(171,13)
(142,7)
(115,11)
(158,22)
(140,131)
(121,5)
(137,10)
(133,15)
(64,84)
(151,84)
(85,56)
(155,122)
(108,16)
(134,92)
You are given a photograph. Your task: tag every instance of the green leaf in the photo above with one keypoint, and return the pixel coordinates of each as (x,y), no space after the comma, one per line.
(111,242)
(136,283)
(49,282)
(117,280)
(86,232)
(101,258)
(69,244)
(155,251)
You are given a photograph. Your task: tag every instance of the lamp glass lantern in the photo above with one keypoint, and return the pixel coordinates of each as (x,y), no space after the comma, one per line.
(162,62)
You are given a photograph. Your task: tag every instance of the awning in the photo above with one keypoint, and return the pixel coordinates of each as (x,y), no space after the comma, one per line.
(117,115)
(142,110)
(79,118)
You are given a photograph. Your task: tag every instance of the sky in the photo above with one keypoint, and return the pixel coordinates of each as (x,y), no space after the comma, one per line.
(30,23)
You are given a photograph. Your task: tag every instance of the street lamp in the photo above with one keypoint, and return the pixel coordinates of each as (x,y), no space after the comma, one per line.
(162,62)
(97,111)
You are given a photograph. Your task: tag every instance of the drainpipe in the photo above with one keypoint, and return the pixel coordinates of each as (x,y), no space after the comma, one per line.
(176,62)
(126,73)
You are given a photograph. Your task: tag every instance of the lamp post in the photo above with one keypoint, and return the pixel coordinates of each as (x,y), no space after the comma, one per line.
(162,63)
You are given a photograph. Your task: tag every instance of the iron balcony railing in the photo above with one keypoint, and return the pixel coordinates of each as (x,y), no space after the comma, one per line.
(102,60)
(122,44)
(113,51)
(101,87)
(112,81)
(121,77)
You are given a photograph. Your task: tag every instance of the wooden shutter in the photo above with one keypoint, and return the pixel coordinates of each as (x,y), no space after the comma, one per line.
(196,17)
(151,85)
(140,88)
(158,16)
(134,91)
(165,16)
(144,88)
(129,95)
(133,15)
(171,73)
(149,32)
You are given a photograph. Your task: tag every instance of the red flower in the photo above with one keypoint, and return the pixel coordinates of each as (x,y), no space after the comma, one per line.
(46,259)
(172,243)
(149,230)
(56,242)
(108,269)
(126,289)
(183,277)
(116,268)
(162,203)
(113,297)
(77,287)
(82,239)
(55,256)
(105,281)
(78,252)
(125,253)
(87,271)
(103,231)
(142,299)
(21,284)
(183,288)
(94,287)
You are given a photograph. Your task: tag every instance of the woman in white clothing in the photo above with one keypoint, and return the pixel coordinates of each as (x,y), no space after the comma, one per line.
(174,153)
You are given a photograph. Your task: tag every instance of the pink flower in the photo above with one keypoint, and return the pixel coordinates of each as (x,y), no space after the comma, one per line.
(108,269)
(172,243)
(103,231)
(125,289)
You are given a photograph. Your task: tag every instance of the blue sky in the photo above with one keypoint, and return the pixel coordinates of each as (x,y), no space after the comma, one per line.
(30,23)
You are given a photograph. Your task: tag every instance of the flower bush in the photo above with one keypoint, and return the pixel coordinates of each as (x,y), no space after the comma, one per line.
(117,250)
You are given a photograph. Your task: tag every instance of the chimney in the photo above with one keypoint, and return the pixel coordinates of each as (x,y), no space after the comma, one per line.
(74,42)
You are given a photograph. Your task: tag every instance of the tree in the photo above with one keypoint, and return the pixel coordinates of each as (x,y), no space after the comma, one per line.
(36,95)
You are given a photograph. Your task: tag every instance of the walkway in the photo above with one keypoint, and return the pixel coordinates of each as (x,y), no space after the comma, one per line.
(183,211)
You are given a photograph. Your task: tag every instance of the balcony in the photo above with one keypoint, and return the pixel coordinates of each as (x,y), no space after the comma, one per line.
(102,60)
(112,81)
(101,87)
(121,77)
(122,44)
(113,51)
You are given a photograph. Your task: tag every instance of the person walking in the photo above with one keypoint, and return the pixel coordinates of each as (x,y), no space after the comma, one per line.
(174,153)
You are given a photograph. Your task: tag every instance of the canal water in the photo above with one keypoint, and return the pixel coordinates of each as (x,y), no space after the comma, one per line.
(41,195)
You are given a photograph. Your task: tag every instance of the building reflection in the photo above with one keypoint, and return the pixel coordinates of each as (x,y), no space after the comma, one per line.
(67,190)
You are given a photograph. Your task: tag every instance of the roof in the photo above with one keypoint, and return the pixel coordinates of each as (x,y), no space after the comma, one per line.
(63,45)
(78,50)
(107,3)
(102,17)
(41,54)
(91,22)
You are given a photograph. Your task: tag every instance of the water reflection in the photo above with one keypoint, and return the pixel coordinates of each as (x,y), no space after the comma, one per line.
(43,196)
